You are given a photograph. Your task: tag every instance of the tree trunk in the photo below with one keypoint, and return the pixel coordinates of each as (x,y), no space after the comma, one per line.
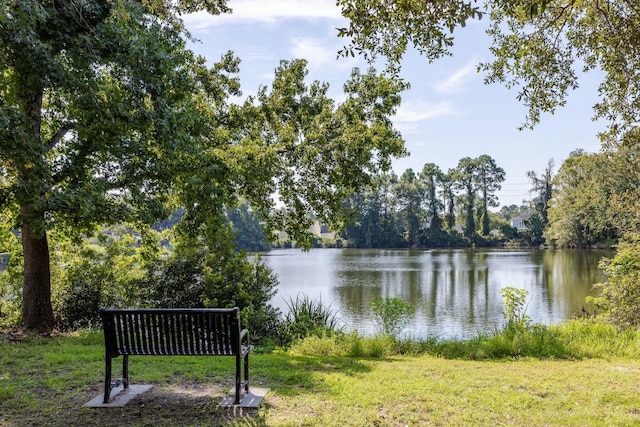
(485,215)
(37,313)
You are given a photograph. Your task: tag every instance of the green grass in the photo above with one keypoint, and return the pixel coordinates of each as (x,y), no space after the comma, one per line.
(593,382)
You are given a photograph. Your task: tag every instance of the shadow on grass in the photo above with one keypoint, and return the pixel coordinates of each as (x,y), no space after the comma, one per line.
(184,399)
(46,382)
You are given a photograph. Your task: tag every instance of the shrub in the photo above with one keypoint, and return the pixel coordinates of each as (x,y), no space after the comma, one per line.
(307,317)
(619,297)
(380,346)
(534,341)
(86,277)
(326,346)
(392,314)
(515,308)
(589,338)
(174,282)
(343,345)
(200,275)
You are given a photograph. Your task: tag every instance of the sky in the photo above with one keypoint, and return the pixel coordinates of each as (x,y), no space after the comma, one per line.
(447,114)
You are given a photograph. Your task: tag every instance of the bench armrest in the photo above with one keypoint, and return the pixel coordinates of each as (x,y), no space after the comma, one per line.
(244,343)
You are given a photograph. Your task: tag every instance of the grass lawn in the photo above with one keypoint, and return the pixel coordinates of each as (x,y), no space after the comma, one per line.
(45,382)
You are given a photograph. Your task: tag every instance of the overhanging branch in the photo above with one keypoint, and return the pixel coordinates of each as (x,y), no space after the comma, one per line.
(62,132)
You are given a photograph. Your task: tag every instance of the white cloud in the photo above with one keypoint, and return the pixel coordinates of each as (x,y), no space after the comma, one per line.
(417,111)
(313,50)
(458,79)
(406,128)
(321,53)
(267,11)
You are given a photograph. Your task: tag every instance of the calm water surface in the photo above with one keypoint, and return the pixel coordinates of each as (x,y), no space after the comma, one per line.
(456,293)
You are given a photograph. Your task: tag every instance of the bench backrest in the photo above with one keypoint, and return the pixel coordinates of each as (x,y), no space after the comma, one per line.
(162,331)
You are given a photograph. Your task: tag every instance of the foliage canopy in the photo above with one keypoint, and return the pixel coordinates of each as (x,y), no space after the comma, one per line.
(106,116)
(540,47)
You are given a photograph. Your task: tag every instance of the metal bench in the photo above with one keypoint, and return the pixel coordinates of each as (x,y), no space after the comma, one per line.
(174,332)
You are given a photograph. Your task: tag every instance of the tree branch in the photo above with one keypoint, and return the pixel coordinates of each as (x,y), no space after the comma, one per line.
(62,132)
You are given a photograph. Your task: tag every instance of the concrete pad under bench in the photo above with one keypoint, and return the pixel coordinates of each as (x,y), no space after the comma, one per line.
(119,396)
(250,400)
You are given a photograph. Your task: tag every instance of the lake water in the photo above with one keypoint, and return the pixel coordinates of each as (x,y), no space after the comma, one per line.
(456,293)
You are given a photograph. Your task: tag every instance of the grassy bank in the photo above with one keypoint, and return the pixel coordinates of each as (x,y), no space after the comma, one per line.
(46,381)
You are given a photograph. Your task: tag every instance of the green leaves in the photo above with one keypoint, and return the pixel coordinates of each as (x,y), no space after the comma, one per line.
(515,308)
(102,110)
(381,28)
(620,294)
(596,195)
(392,314)
(310,150)
(107,116)
(477,177)
(540,46)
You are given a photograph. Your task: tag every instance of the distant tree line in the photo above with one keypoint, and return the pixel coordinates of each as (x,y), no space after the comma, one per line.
(431,208)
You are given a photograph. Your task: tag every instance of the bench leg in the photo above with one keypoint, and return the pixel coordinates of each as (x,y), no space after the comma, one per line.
(238,384)
(107,379)
(125,371)
(246,373)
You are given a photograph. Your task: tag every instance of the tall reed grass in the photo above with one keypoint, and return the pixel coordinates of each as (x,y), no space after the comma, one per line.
(308,318)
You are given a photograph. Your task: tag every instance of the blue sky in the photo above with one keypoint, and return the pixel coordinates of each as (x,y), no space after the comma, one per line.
(448,114)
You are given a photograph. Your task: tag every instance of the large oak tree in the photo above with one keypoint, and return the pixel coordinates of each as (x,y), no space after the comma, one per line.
(94,105)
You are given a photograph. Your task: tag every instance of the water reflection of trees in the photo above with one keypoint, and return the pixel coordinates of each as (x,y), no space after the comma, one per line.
(565,279)
(449,289)
(456,292)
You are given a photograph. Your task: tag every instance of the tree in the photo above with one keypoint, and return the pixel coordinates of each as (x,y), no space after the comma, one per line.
(389,234)
(488,177)
(106,116)
(535,228)
(619,296)
(360,232)
(508,212)
(543,187)
(409,194)
(96,99)
(247,227)
(578,210)
(375,225)
(431,175)
(465,180)
(538,46)
(447,192)
(596,195)
(309,150)
(622,163)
